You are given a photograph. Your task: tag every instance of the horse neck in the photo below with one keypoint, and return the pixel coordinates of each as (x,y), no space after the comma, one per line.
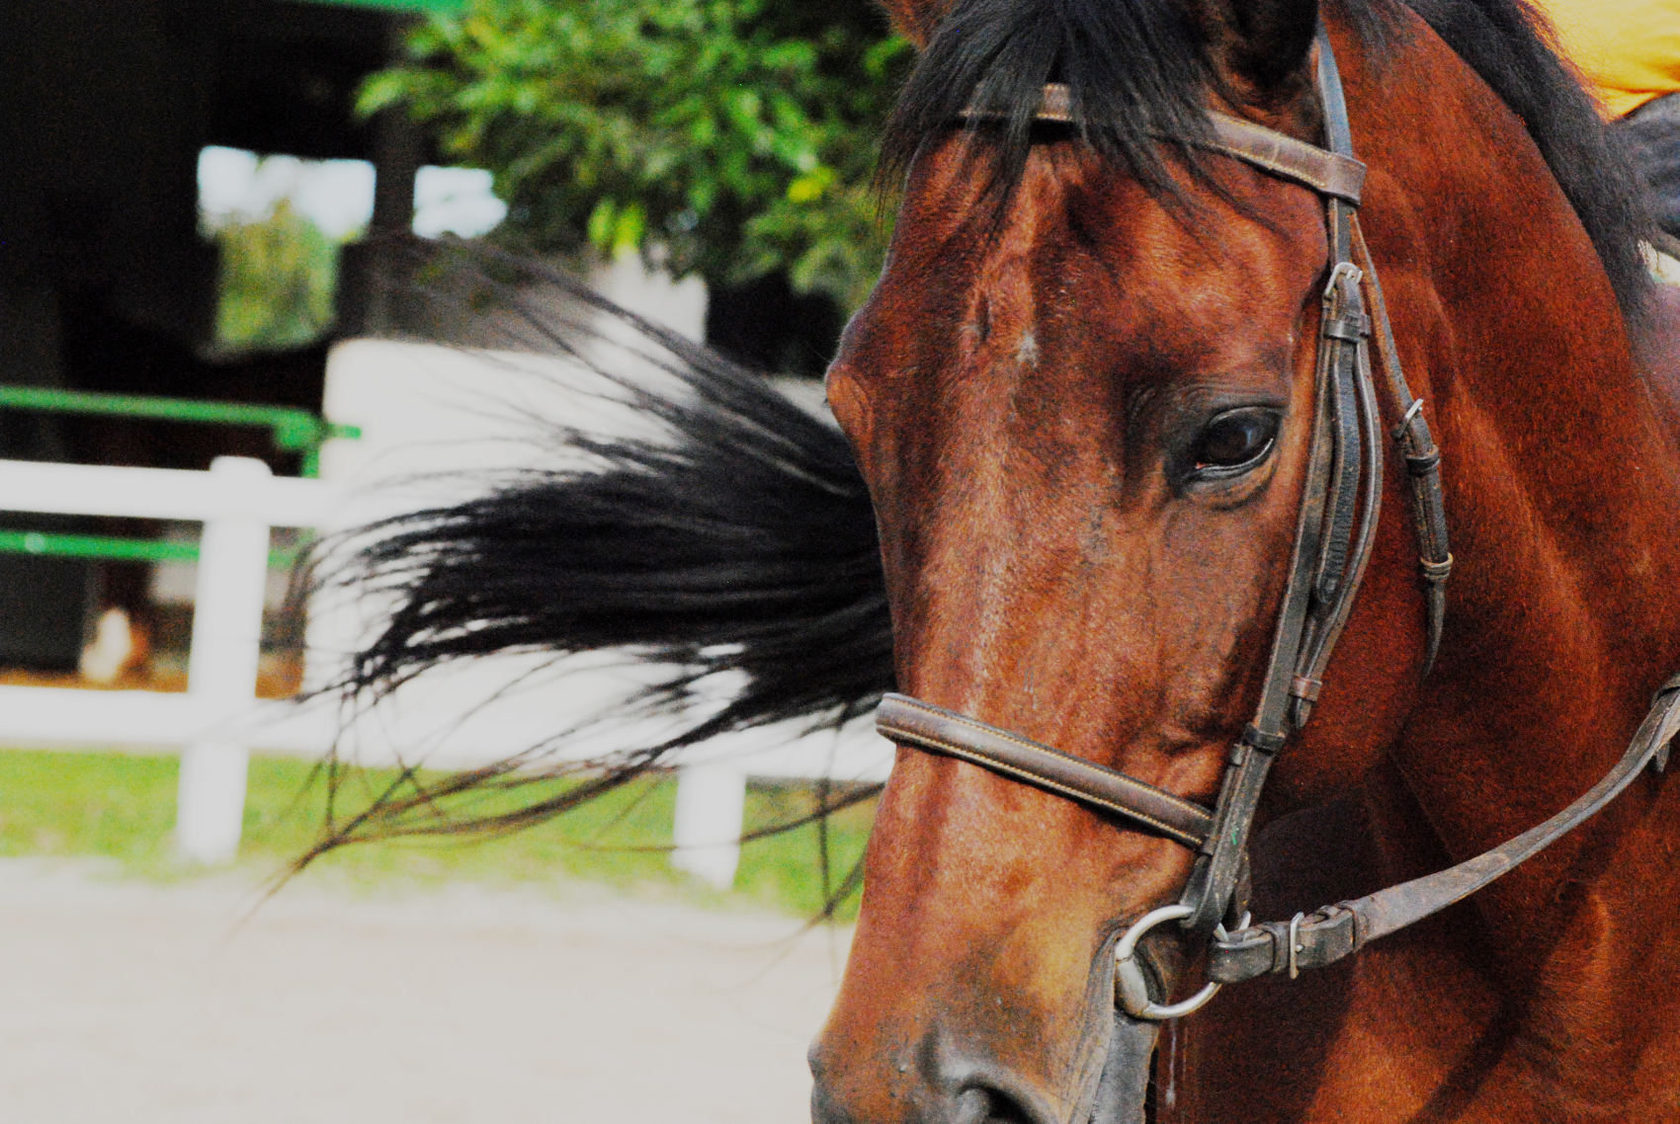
(1563,486)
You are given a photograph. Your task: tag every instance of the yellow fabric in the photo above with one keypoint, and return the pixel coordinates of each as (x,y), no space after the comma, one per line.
(1629,50)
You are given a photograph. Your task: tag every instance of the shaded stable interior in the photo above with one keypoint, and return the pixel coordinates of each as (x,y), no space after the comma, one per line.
(106,280)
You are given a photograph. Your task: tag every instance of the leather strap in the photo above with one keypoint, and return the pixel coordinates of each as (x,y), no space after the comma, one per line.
(1345,320)
(1330,553)
(910,721)
(1423,462)
(1308,940)
(1326,936)
(1331,174)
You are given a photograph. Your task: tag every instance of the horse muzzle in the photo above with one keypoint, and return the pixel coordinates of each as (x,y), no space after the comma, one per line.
(956,1091)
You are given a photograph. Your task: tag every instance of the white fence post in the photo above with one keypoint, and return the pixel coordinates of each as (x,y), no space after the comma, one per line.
(222,668)
(711,801)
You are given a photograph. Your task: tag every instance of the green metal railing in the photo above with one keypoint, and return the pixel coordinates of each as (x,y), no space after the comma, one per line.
(109,548)
(291,430)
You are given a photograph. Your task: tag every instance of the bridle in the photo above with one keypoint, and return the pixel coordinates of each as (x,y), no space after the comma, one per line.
(1340,504)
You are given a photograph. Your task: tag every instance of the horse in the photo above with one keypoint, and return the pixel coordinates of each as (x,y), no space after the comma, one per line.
(1109,504)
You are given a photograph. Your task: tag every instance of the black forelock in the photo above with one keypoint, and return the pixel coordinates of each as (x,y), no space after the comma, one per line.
(1137,71)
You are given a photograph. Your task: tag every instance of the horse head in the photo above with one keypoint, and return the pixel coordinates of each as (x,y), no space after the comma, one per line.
(1083,397)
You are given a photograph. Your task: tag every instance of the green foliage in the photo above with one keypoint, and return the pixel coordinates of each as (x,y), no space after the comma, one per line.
(733,137)
(278,276)
(122,807)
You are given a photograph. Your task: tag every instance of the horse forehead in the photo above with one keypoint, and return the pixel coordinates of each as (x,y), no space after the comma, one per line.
(1083,258)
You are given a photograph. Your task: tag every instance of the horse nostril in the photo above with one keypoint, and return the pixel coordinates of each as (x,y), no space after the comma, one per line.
(988,1104)
(985,1106)
(931,1085)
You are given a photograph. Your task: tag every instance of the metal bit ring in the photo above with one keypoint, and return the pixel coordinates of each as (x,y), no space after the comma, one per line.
(1132,986)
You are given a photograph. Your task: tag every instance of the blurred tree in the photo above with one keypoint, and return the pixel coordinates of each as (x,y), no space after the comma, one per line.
(732,137)
(278,275)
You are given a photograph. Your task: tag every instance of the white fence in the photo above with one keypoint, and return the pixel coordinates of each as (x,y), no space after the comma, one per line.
(218,721)
(237,501)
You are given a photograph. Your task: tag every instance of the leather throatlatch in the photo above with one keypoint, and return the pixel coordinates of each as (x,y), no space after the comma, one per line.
(1325,936)
(1340,504)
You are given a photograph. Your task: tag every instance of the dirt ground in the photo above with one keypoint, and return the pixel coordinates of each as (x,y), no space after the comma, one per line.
(127,1001)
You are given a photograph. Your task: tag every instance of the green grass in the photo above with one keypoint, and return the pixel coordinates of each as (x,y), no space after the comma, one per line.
(121,807)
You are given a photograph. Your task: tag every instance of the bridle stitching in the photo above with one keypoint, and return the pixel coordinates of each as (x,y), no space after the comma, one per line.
(1029,744)
(1039,779)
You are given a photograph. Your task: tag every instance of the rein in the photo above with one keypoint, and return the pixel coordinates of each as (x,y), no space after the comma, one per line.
(1340,504)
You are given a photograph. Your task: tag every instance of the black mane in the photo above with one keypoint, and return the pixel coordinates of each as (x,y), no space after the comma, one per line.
(1137,70)
(733,540)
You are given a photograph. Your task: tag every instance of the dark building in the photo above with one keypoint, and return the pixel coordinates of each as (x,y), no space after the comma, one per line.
(106,282)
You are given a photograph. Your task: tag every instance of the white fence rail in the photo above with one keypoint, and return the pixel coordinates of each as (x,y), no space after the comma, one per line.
(237,501)
(218,721)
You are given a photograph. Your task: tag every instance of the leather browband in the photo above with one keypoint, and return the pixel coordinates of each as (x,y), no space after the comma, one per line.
(1328,173)
(933,728)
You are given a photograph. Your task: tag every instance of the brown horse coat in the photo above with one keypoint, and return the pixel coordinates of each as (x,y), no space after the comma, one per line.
(1025,396)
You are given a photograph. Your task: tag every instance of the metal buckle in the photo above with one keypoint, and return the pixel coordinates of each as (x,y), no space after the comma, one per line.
(1412,411)
(1295,949)
(1340,272)
(1132,986)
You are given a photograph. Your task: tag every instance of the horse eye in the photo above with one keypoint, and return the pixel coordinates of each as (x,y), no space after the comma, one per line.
(1235,442)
